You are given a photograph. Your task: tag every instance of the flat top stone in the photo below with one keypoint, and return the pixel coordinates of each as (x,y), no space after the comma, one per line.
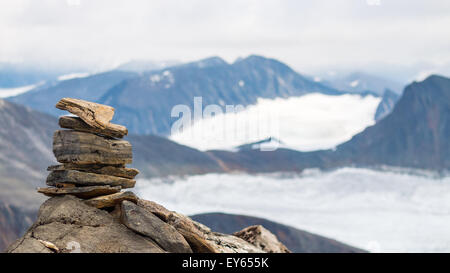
(80,192)
(94,114)
(76,123)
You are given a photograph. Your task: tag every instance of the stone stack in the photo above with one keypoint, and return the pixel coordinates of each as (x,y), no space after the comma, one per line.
(92,156)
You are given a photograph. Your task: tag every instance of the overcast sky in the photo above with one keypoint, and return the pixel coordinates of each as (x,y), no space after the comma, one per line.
(308,35)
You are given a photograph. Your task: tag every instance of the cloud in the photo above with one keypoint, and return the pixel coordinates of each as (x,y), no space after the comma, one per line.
(309,35)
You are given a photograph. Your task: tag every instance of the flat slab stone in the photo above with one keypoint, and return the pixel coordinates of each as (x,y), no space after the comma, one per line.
(108,201)
(118,170)
(147,224)
(94,114)
(87,179)
(83,148)
(80,192)
(76,123)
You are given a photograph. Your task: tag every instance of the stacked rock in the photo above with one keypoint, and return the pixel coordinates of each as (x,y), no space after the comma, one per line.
(93,156)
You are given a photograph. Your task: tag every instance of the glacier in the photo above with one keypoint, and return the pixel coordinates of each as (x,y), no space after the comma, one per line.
(377,210)
(310,122)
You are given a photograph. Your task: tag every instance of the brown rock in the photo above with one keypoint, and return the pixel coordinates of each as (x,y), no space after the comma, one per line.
(195,237)
(87,179)
(118,170)
(81,192)
(94,114)
(147,224)
(155,208)
(109,201)
(262,238)
(83,148)
(76,123)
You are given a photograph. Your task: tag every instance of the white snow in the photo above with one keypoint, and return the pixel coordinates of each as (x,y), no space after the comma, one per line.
(241,83)
(354,83)
(155,78)
(375,210)
(317,79)
(73,76)
(9,92)
(310,122)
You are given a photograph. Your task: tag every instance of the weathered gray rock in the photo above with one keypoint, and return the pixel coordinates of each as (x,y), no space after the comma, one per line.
(87,179)
(72,226)
(262,238)
(108,201)
(117,170)
(81,192)
(147,224)
(94,114)
(76,123)
(83,148)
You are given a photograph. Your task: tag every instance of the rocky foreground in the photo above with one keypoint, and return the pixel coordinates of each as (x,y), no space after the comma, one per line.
(88,212)
(67,224)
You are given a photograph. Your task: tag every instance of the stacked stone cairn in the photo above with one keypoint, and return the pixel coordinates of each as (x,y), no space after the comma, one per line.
(92,156)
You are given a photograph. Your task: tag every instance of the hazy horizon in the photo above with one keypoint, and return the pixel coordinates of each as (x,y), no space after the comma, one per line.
(400,40)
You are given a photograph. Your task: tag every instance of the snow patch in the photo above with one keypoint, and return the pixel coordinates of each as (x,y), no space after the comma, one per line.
(9,92)
(354,83)
(73,76)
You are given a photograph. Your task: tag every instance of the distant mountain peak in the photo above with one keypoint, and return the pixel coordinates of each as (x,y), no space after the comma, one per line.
(208,62)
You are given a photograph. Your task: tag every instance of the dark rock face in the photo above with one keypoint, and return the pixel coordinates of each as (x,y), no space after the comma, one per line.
(67,224)
(157,156)
(296,240)
(414,135)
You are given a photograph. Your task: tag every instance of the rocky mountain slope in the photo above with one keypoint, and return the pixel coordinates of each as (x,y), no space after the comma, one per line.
(25,150)
(414,135)
(216,81)
(14,221)
(387,104)
(296,240)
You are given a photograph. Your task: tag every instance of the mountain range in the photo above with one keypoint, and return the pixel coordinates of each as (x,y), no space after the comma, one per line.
(359,82)
(216,81)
